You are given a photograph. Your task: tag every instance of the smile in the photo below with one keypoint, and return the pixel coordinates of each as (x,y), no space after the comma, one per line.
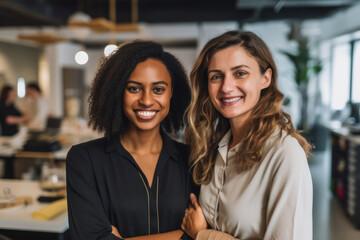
(230,101)
(146,115)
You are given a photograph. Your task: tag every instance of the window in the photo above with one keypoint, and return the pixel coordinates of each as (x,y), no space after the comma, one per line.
(355,91)
(340,86)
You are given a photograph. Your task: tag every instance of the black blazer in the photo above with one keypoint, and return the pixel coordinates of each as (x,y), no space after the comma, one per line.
(106,187)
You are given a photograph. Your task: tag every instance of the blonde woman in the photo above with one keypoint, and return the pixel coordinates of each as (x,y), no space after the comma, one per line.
(245,153)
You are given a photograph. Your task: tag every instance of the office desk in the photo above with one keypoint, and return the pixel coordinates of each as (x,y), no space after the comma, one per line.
(18,223)
(18,161)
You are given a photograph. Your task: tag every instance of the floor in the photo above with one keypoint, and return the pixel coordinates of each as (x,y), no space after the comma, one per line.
(329,219)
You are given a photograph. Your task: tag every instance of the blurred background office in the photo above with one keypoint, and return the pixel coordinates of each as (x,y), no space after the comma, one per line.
(315,43)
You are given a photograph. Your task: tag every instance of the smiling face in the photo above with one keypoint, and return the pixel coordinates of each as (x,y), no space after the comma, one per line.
(147,95)
(235,83)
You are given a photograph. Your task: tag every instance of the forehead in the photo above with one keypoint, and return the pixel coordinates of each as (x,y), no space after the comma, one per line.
(150,70)
(230,57)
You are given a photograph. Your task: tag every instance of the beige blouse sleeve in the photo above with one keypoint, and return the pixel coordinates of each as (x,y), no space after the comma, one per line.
(210,234)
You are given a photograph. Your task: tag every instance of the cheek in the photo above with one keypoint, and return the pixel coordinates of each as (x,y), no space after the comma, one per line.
(128,101)
(212,90)
(125,101)
(166,101)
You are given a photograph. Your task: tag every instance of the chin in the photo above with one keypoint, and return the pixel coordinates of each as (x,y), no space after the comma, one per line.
(229,115)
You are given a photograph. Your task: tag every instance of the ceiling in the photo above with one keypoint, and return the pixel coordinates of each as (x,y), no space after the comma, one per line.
(56,12)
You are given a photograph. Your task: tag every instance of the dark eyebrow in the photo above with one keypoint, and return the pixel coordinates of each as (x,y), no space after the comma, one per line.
(160,82)
(137,83)
(155,83)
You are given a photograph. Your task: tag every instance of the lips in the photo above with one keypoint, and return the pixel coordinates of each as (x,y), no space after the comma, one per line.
(229,101)
(146,114)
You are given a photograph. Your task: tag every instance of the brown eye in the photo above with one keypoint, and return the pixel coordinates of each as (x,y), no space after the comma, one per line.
(159,90)
(133,89)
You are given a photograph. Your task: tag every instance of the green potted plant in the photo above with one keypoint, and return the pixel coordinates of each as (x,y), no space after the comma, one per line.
(304,65)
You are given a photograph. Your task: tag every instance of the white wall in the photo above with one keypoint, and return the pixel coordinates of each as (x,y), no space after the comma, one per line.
(209,30)
(186,56)
(18,61)
(274,34)
(58,56)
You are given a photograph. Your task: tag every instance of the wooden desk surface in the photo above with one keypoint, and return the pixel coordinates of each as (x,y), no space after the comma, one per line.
(45,155)
(19,218)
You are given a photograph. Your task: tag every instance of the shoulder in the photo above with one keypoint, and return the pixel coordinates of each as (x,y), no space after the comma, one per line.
(176,150)
(284,151)
(86,149)
(290,146)
(180,148)
(96,143)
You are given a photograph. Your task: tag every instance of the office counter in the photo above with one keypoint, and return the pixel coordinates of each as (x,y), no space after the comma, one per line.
(18,161)
(345,171)
(18,223)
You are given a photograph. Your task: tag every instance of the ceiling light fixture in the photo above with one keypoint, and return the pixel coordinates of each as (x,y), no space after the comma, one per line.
(104,25)
(42,38)
(79,32)
(109,49)
(81,57)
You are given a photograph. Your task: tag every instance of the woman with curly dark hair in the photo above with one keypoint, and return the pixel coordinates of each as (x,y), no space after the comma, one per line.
(247,156)
(135,181)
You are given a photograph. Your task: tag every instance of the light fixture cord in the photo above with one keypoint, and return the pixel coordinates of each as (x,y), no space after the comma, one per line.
(112,10)
(134,11)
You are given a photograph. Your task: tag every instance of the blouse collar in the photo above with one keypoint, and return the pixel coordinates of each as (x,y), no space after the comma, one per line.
(169,145)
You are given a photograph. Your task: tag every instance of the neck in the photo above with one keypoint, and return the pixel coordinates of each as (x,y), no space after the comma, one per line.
(142,142)
(238,129)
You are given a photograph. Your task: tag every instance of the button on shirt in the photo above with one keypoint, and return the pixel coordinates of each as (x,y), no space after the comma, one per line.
(271,200)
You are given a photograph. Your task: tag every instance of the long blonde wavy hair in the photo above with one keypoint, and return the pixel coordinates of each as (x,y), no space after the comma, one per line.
(206,126)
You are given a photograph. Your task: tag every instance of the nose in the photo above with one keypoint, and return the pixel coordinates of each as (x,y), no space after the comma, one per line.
(147,99)
(228,84)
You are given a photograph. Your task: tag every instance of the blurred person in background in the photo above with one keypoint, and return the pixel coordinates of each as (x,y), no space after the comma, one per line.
(10,116)
(35,106)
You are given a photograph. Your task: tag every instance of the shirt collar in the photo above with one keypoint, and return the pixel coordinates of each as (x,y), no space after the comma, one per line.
(223,146)
(224,142)
(169,145)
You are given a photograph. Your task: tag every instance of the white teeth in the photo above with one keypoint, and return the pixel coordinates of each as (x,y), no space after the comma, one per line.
(229,100)
(146,113)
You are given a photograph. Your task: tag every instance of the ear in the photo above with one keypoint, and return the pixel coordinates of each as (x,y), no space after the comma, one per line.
(266,79)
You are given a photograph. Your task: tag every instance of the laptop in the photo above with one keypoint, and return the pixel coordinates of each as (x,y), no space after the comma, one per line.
(47,140)
(52,129)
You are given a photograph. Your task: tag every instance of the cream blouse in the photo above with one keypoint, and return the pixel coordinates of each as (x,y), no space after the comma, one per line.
(272,200)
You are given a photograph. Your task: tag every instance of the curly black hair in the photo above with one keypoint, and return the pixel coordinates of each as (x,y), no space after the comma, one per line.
(107,91)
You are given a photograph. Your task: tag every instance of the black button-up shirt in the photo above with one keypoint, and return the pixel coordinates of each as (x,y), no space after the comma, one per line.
(6,111)
(106,187)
